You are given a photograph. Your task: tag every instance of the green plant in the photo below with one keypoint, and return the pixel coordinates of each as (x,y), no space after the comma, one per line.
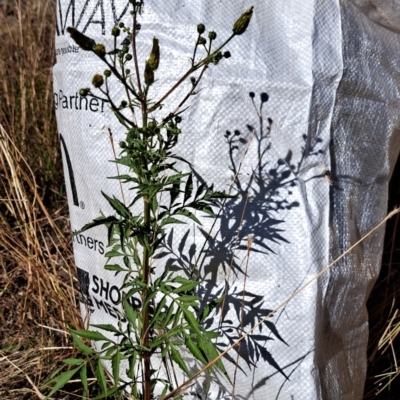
(169,316)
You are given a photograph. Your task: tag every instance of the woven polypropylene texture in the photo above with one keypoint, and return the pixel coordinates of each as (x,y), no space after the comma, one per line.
(302,125)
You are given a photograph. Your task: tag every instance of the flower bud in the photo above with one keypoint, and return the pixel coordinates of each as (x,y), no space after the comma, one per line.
(178,119)
(100,50)
(84,92)
(121,25)
(242,23)
(212,35)
(217,58)
(84,42)
(115,31)
(97,81)
(148,74)
(154,58)
(107,73)
(227,54)
(201,28)
(127,71)
(193,80)
(122,144)
(128,57)
(123,104)
(202,40)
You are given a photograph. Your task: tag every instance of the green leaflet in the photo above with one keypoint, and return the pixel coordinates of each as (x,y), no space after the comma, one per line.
(61,380)
(92,335)
(176,356)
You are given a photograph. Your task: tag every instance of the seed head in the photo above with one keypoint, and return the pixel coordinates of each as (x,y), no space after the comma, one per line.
(212,35)
(84,92)
(242,23)
(84,42)
(115,31)
(100,50)
(202,40)
(154,58)
(201,28)
(97,81)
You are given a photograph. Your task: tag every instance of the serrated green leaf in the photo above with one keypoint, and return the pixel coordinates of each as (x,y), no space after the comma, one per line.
(96,222)
(186,287)
(115,363)
(186,213)
(92,335)
(83,376)
(114,267)
(191,320)
(212,335)
(101,377)
(73,361)
(211,352)
(118,206)
(156,342)
(106,327)
(192,347)
(62,380)
(170,220)
(130,313)
(80,345)
(168,316)
(188,300)
(113,253)
(176,357)
(159,308)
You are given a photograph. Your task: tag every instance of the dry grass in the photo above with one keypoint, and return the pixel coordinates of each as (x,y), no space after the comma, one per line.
(37,276)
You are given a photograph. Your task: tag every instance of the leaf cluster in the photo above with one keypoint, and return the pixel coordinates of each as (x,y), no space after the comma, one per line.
(168,318)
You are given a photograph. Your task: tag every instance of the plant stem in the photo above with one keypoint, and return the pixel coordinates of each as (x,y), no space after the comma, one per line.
(146,279)
(207,60)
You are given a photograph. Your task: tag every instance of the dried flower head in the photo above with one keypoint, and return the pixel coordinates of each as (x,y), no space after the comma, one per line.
(148,74)
(201,28)
(202,40)
(84,42)
(97,81)
(242,23)
(100,50)
(212,35)
(154,58)
(115,31)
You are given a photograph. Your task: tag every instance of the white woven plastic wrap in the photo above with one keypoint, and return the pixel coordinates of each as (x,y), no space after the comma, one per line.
(306,115)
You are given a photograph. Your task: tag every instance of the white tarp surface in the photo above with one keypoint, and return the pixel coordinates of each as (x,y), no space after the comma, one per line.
(325,78)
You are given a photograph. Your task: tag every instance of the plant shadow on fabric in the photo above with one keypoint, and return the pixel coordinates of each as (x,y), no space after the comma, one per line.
(249,222)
